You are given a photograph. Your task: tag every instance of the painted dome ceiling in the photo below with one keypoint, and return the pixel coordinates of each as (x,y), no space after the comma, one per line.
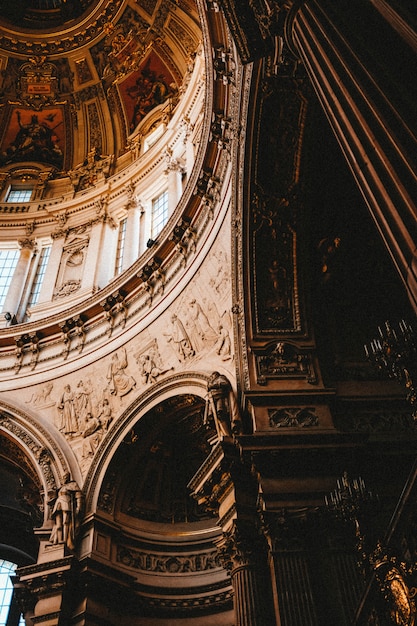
(80,88)
(41,14)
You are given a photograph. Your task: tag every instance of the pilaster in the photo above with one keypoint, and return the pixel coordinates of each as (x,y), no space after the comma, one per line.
(229,486)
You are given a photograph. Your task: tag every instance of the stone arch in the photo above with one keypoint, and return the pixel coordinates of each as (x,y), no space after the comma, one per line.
(165,541)
(47,460)
(194,383)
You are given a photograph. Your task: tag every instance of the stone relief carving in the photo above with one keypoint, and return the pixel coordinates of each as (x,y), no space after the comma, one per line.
(120,382)
(168,563)
(293,417)
(150,364)
(283,360)
(67,415)
(93,169)
(41,397)
(179,339)
(72,262)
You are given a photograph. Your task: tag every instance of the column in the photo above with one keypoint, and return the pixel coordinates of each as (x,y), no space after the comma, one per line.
(131,251)
(106,254)
(21,272)
(361,65)
(243,548)
(92,261)
(243,551)
(174,172)
(49,281)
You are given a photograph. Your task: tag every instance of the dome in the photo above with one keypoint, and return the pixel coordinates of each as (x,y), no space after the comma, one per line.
(42,14)
(97,113)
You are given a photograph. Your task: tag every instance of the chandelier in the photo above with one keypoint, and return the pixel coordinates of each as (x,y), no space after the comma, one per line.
(349,498)
(394,352)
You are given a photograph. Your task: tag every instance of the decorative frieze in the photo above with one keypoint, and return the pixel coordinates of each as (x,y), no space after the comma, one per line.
(168,563)
(293,417)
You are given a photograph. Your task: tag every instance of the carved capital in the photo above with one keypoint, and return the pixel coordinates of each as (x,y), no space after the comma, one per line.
(243,546)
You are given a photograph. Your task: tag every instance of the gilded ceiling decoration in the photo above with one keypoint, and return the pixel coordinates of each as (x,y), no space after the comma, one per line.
(41,14)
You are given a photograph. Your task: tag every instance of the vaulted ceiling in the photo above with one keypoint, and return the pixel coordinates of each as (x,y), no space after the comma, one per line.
(79,76)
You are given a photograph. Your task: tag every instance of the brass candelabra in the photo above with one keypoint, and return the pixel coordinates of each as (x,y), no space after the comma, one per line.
(349,497)
(394,352)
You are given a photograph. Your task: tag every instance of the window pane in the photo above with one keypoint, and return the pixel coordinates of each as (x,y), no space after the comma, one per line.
(19,195)
(8,262)
(159,213)
(7,569)
(39,276)
(121,245)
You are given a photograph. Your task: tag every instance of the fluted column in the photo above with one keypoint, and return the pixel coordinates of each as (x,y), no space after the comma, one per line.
(15,292)
(360,62)
(243,551)
(229,485)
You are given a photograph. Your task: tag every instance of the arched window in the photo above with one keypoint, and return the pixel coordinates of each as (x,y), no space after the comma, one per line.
(9,614)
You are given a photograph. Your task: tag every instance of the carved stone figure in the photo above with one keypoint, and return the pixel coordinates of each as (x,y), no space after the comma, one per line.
(201,332)
(223,344)
(66,511)
(82,403)
(105,414)
(120,382)
(149,369)
(69,423)
(223,406)
(93,433)
(180,339)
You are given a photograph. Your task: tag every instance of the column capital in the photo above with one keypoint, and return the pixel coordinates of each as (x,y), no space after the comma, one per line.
(27,243)
(243,545)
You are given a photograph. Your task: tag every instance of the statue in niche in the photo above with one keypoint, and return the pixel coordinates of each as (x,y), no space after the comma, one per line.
(66,513)
(222,406)
(180,339)
(68,416)
(120,383)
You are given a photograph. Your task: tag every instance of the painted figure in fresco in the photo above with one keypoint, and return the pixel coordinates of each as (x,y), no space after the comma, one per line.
(222,406)
(35,141)
(66,510)
(148,91)
(69,423)
(120,382)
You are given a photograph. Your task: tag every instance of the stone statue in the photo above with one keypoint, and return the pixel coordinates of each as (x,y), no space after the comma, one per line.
(222,406)
(66,511)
